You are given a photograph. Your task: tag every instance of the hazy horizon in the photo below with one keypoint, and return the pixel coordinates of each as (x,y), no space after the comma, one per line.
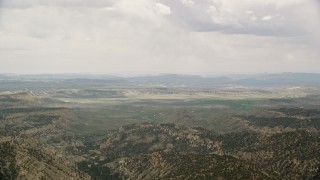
(155,74)
(204,37)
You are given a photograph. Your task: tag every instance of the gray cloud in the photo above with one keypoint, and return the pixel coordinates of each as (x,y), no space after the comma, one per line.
(62,3)
(159,36)
(267,18)
(270,18)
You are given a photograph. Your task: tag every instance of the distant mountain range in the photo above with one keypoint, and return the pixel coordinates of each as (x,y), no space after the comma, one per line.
(83,80)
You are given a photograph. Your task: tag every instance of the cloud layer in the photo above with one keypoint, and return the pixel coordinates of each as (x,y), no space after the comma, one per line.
(155,36)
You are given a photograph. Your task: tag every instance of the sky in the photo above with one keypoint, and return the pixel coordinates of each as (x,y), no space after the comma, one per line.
(159,36)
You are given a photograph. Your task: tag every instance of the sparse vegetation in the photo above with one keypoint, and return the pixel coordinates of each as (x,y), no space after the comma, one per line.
(160,133)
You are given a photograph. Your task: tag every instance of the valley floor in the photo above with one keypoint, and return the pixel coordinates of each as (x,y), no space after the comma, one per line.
(160,133)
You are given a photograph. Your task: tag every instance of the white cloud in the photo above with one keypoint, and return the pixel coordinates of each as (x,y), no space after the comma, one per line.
(60,3)
(267,18)
(247,16)
(188,2)
(146,36)
(249,12)
(163,9)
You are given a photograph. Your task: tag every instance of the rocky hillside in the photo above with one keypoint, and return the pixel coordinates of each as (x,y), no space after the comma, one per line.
(29,159)
(35,144)
(167,151)
(33,140)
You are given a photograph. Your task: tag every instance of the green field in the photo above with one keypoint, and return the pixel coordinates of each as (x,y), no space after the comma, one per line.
(215,114)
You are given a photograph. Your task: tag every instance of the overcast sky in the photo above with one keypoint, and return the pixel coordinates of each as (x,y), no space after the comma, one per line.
(159,36)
